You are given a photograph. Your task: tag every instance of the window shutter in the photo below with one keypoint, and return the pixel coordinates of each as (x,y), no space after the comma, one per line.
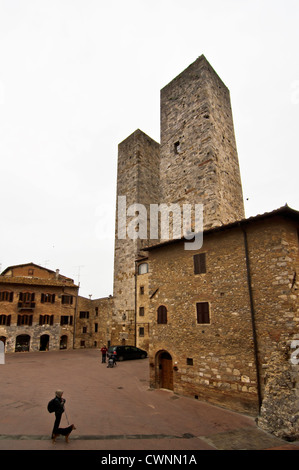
(199,263)
(203,312)
(162,315)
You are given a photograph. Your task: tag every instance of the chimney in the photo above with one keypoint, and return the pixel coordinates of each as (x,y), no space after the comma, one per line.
(57,274)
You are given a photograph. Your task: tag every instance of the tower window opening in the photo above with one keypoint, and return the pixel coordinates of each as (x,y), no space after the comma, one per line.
(177,147)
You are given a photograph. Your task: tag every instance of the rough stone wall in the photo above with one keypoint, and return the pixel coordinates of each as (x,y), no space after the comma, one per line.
(222,355)
(226,365)
(199,161)
(94,329)
(274,265)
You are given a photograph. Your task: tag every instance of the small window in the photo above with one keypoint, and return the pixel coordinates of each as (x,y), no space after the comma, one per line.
(177,147)
(143,268)
(203,312)
(5,320)
(67,299)
(199,261)
(162,315)
(84,329)
(6,296)
(46,319)
(47,298)
(66,320)
(141,331)
(189,361)
(84,314)
(96,326)
(141,311)
(141,290)
(25,320)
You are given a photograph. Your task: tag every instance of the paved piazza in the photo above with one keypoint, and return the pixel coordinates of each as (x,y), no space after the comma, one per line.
(112,409)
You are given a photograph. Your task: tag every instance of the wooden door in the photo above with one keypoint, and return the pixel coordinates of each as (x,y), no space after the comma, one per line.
(166,371)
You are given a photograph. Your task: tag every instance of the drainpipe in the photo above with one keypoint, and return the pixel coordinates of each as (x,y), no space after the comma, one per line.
(252,311)
(75,317)
(135,321)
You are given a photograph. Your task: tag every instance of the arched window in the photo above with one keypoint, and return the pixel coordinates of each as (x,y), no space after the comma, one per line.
(162,315)
(143,268)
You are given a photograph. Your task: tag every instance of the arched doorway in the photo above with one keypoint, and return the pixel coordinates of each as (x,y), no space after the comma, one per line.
(44,343)
(22,343)
(165,370)
(63,342)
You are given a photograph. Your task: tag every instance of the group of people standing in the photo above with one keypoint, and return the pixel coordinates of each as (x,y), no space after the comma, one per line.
(111,359)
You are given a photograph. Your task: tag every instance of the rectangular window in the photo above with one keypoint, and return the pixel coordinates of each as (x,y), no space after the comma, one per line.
(200,263)
(66,320)
(6,296)
(67,299)
(47,298)
(141,290)
(25,320)
(203,312)
(5,320)
(84,314)
(96,327)
(189,361)
(84,329)
(46,319)
(141,311)
(141,331)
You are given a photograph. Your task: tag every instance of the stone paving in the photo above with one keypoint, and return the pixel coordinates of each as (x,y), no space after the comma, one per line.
(113,409)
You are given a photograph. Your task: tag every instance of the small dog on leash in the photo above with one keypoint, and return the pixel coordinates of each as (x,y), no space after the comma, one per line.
(54,436)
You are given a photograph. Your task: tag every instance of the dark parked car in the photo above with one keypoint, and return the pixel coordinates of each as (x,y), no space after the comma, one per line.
(121,353)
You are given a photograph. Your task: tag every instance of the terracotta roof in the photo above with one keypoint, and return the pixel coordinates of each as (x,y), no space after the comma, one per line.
(34,281)
(285,211)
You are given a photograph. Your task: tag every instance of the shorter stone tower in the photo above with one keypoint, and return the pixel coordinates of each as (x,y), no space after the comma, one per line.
(137,183)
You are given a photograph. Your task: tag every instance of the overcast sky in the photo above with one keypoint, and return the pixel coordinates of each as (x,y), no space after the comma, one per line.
(79,76)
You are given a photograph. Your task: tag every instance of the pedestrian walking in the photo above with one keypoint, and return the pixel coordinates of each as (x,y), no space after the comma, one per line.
(58,407)
(104,354)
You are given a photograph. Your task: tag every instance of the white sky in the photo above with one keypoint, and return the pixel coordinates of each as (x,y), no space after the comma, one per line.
(78,76)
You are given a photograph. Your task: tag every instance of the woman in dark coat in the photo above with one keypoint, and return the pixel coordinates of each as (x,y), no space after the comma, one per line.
(59,409)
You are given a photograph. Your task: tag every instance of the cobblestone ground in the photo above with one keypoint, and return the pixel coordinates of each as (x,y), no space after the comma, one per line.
(112,409)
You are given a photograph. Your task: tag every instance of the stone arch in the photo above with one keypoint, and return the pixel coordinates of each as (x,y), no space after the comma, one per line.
(22,343)
(44,342)
(63,342)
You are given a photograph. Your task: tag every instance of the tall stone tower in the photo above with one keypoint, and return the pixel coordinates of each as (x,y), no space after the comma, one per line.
(199,160)
(196,163)
(137,183)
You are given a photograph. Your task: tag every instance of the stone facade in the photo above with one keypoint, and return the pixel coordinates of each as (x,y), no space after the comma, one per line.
(40,310)
(238,353)
(37,309)
(93,324)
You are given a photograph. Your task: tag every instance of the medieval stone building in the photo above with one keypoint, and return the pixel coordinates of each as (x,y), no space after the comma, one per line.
(40,310)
